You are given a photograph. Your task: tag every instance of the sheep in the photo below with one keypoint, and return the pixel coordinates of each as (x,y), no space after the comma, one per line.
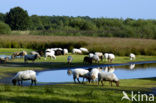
(91,55)
(76,51)
(69,59)
(34,52)
(59,52)
(132,56)
(65,51)
(79,72)
(50,53)
(24,75)
(87,60)
(106,76)
(100,55)
(94,73)
(4,59)
(85,50)
(30,57)
(22,53)
(96,58)
(106,56)
(111,57)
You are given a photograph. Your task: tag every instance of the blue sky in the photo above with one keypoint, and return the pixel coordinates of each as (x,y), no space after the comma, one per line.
(144,9)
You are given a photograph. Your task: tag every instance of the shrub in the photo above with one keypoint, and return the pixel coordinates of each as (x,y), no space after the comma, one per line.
(4,28)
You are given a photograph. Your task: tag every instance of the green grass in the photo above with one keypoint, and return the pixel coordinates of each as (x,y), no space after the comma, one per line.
(74,93)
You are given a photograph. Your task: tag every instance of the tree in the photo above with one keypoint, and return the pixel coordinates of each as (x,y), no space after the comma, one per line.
(4,28)
(17,19)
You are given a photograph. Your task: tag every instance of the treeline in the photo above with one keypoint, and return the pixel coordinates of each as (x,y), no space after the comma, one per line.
(79,26)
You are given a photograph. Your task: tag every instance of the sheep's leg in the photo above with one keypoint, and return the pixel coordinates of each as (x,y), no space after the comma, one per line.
(31,82)
(78,80)
(74,79)
(21,83)
(35,82)
(18,82)
(102,83)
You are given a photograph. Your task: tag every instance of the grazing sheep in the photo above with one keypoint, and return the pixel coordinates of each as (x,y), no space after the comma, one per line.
(34,52)
(22,53)
(91,55)
(65,51)
(106,76)
(69,59)
(106,56)
(132,56)
(59,52)
(111,57)
(50,53)
(76,51)
(24,75)
(96,58)
(85,50)
(79,72)
(99,54)
(87,60)
(30,57)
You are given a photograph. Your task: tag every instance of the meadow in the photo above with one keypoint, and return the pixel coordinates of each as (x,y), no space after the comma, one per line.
(118,46)
(75,93)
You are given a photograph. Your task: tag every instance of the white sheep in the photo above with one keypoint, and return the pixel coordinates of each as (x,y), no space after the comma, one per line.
(79,72)
(69,59)
(106,56)
(24,75)
(96,58)
(107,76)
(76,51)
(85,50)
(132,56)
(30,57)
(65,51)
(94,73)
(91,55)
(50,53)
(111,57)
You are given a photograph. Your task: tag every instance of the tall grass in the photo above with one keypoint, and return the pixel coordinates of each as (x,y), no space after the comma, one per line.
(119,46)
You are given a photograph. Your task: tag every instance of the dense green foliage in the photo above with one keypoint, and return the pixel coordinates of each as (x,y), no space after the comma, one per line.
(4,28)
(18,19)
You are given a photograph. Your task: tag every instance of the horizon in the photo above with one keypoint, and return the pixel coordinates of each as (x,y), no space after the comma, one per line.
(121,9)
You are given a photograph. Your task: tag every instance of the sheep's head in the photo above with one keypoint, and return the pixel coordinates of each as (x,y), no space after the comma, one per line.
(69,72)
(14,81)
(117,83)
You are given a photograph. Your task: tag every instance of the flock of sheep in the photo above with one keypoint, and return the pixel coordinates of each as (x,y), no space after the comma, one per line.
(88,74)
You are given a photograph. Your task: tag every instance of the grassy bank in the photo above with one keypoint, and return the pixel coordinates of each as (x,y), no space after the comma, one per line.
(118,46)
(75,93)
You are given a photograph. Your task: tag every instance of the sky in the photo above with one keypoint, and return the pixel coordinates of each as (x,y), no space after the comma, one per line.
(136,9)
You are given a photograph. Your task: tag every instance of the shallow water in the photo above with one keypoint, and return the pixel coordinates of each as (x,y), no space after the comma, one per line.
(122,72)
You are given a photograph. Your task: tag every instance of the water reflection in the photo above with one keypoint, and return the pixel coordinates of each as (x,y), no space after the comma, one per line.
(122,72)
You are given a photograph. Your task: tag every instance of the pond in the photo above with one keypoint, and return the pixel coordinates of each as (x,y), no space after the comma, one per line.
(122,72)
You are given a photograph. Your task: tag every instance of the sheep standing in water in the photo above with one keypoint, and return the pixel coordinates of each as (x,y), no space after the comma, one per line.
(24,75)
(30,57)
(79,72)
(107,76)
(69,59)
(132,56)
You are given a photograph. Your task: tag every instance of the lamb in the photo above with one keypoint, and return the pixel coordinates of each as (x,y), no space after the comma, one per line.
(79,72)
(30,57)
(85,50)
(69,59)
(24,75)
(132,56)
(87,60)
(111,57)
(50,53)
(76,51)
(96,58)
(106,76)
(34,52)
